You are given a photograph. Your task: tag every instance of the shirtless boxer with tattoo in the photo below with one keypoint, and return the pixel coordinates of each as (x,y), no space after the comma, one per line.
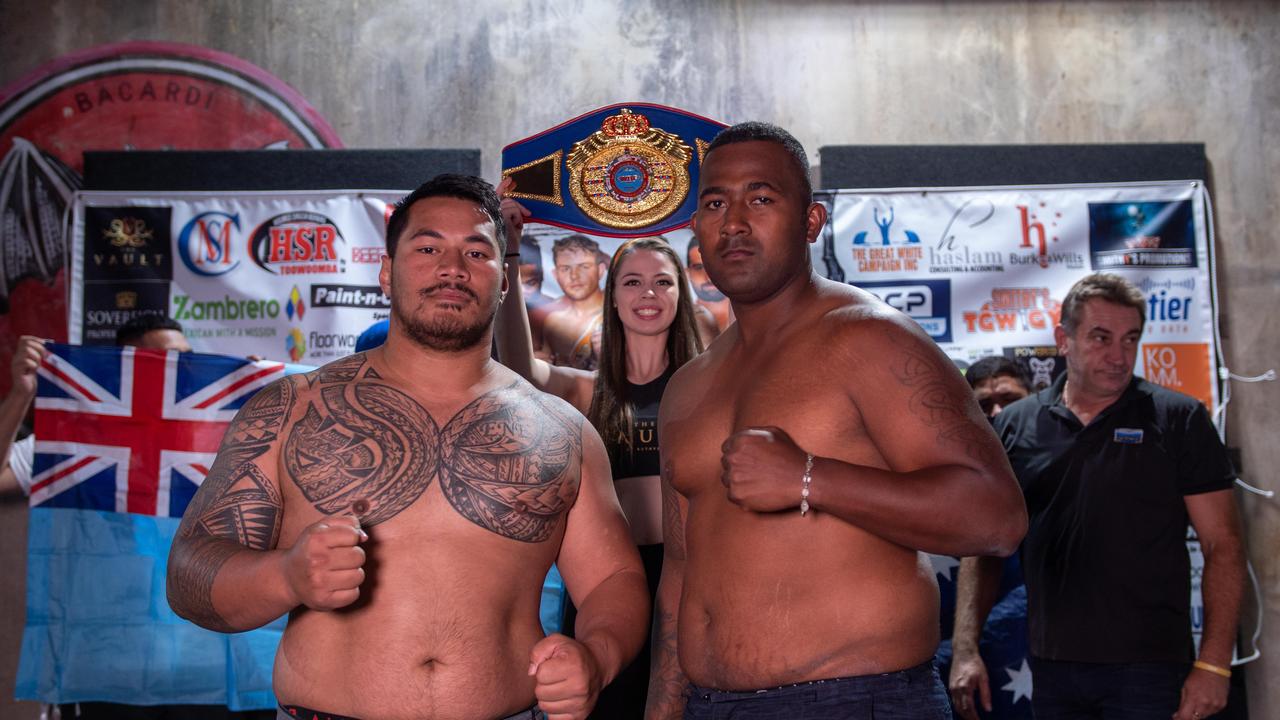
(404,505)
(810,457)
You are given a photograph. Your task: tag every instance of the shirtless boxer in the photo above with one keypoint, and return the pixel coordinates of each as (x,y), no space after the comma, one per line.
(404,505)
(569,327)
(810,457)
(708,295)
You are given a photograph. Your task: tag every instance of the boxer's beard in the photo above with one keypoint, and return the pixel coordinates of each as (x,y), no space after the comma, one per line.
(446,331)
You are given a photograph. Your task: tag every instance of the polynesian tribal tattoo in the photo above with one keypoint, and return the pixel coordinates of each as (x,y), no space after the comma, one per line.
(369,444)
(237,505)
(668,686)
(672,519)
(511,467)
(509,461)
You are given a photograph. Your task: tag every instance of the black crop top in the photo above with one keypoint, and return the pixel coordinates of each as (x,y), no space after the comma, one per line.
(640,457)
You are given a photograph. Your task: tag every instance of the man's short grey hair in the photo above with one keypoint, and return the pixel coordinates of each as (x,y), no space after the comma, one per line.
(1100,286)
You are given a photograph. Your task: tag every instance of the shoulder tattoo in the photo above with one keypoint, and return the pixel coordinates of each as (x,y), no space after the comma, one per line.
(237,506)
(940,404)
(236,501)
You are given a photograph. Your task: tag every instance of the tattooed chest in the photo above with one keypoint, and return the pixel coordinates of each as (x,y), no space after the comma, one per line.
(507,462)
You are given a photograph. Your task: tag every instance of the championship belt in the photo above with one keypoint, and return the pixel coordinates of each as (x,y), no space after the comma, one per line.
(626,170)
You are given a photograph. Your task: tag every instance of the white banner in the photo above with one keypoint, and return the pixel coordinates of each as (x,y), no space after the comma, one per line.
(984,270)
(289,276)
(293,275)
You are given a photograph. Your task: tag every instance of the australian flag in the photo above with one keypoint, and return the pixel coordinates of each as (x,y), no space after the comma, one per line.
(1003,645)
(124,437)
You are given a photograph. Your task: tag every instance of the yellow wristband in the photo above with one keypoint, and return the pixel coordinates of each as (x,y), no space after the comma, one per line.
(1212,668)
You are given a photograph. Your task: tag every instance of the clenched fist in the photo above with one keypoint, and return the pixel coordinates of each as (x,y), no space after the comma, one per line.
(762,469)
(568,677)
(26,358)
(325,566)
(513,213)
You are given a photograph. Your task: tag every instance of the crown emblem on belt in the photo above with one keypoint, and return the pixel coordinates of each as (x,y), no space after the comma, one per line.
(628,174)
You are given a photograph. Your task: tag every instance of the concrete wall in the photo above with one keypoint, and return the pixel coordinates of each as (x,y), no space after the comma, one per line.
(480,73)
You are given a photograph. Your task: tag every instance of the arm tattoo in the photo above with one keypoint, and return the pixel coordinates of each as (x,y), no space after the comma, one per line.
(511,463)
(236,507)
(672,522)
(668,686)
(939,405)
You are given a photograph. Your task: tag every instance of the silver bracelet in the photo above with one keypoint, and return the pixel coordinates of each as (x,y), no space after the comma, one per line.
(804,484)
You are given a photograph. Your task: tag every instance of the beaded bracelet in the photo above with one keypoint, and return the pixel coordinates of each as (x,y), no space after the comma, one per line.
(804,484)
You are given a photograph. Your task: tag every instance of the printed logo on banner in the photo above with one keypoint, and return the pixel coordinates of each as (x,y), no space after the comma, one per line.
(1184,367)
(295,305)
(127,243)
(1042,363)
(888,250)
(965,355)
(951,255)
(1037,240)
(324,345)
(1014,310)
(296,345)
(367,255)
(297,243)
(356,296)
(108,306)
(928,302)
(1142,235)
(205,243)
(226,308)
(1170,305)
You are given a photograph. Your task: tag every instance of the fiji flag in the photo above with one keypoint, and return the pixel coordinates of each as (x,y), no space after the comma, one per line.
(124,436)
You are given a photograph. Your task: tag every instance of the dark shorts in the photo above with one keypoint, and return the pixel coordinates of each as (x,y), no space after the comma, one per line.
(1112,691)
(913,694)
(297,712)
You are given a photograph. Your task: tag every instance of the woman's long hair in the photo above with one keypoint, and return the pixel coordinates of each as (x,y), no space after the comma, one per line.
(612,411)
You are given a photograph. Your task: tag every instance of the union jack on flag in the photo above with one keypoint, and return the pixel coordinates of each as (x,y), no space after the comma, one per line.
(134,430)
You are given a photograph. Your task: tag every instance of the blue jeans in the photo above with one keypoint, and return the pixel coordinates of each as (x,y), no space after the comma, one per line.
(1106,691)
(913,694)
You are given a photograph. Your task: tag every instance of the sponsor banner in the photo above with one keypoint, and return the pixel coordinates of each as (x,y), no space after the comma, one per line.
(1008,256)
(1013,311)
(108,306)
(1128,235)
(293,276)
(1042,363)
(127,243)
(1184,367)
(290,276)
(928,302)
(358,296)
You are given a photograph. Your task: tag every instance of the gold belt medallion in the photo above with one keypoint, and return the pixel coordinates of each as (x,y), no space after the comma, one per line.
(627,174)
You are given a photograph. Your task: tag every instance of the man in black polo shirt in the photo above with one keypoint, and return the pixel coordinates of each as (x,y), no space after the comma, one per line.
(1112,468)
